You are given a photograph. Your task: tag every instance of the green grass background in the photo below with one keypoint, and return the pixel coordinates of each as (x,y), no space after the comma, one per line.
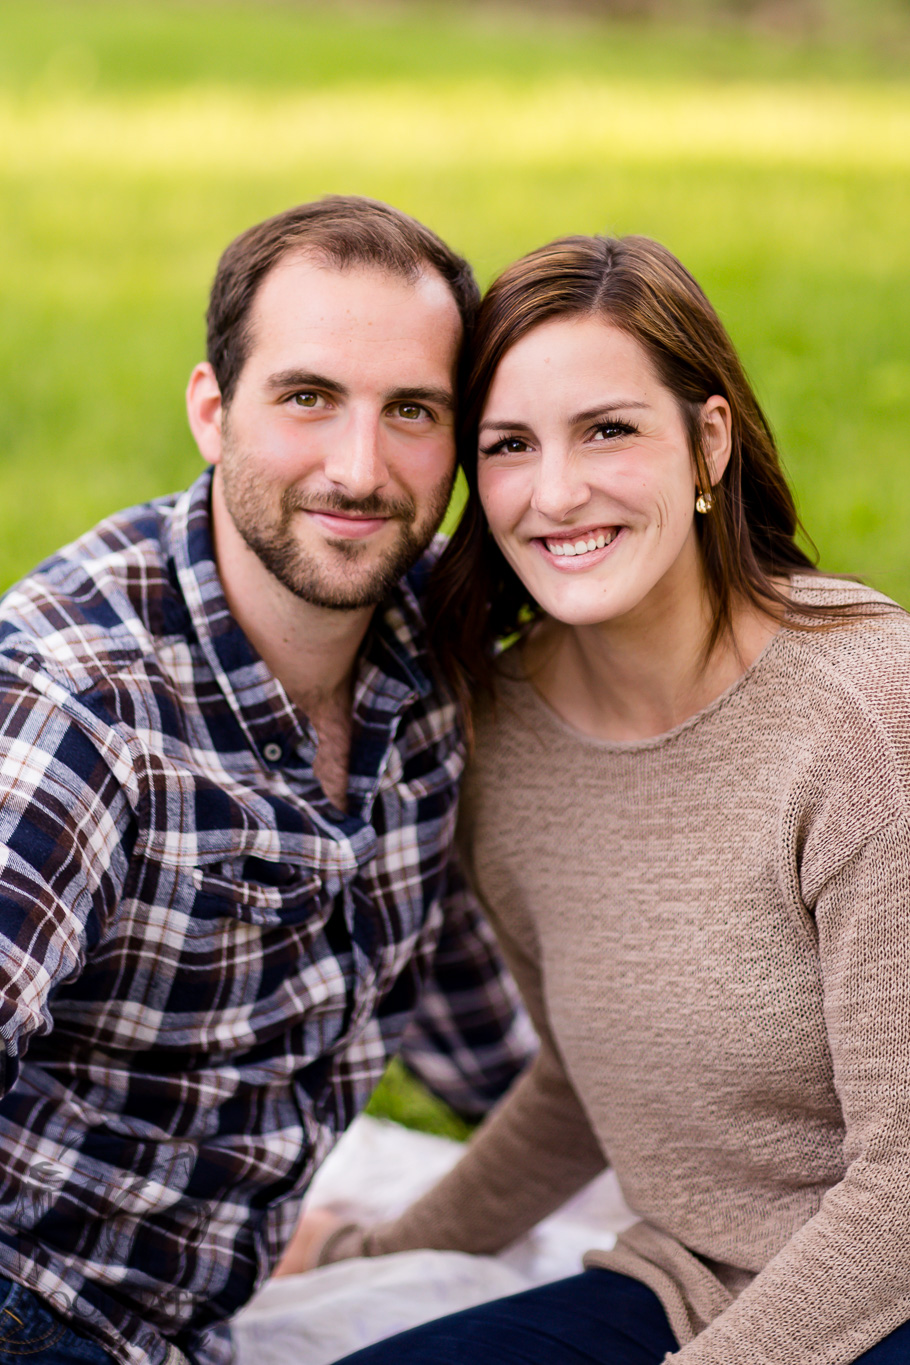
(137,138)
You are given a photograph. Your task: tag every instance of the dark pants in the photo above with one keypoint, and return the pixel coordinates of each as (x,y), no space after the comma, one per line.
(31,1335)
(598,1318)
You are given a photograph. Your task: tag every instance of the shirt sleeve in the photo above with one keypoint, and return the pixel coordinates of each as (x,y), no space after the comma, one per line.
(533,1153)
(842,1283)
(62,823)
(470,1036)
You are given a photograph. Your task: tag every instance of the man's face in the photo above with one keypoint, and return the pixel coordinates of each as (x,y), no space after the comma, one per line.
(337,450)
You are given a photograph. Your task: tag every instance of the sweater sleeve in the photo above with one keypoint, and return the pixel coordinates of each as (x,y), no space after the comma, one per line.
(533,1153)
(842,1283)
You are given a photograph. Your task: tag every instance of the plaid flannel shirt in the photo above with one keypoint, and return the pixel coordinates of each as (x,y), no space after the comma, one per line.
(205,966)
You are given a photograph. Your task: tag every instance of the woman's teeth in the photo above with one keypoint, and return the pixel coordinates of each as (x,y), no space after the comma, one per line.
(581,546)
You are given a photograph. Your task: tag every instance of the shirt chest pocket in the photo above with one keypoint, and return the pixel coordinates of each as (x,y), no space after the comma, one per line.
(254,890)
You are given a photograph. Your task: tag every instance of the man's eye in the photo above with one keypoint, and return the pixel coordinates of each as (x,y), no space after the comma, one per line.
(306,400)
(411,412)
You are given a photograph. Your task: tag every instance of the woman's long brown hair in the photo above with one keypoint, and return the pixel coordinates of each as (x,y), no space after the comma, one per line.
(747,539)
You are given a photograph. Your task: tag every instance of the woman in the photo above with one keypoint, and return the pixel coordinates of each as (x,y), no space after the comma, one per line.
(687,820)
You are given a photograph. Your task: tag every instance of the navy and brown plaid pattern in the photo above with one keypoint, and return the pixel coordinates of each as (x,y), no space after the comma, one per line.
(203,965)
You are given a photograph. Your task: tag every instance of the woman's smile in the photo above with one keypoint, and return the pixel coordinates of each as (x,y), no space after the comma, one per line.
(578,549)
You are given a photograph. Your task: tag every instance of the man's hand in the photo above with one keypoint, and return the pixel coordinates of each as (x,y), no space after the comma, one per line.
(310,1235)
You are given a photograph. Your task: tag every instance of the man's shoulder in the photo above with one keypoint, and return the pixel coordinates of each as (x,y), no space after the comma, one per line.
(403,611)
(102,600)
(418,576)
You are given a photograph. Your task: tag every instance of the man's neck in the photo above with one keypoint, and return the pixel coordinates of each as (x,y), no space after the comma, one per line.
(311,650)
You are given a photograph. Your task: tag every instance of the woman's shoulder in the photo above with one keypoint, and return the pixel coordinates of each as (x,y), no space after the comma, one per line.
(843,689)
(829,590)
(849,677)
(857,631)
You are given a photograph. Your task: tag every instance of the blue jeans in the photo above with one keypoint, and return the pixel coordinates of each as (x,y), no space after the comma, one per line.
(30,1334)
(598,1318)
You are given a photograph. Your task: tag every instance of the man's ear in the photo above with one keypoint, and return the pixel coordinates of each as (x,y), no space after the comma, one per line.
(717,435)
(205,411)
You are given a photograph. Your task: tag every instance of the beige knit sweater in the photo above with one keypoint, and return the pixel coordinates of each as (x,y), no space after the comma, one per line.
(712,932)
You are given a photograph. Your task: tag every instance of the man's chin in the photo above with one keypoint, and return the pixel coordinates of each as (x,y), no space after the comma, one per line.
(364,597)
(347,584)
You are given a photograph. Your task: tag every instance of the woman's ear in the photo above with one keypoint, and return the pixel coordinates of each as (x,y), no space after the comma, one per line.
(717,435)
(204,410)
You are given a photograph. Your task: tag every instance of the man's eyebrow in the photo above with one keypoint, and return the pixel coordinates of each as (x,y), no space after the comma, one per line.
(304,379)
(441,398)
(588,415)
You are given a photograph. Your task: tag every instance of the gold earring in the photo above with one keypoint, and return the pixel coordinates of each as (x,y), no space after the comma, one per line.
(704,502)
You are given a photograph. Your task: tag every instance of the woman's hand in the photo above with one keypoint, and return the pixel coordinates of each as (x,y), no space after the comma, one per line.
(310,1236)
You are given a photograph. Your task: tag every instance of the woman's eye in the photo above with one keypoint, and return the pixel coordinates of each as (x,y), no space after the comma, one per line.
(509,445)
(612,431)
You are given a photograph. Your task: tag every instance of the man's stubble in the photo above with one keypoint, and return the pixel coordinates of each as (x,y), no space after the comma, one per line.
(331,580)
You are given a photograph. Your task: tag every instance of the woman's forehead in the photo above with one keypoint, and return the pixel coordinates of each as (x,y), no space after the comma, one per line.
(572,359)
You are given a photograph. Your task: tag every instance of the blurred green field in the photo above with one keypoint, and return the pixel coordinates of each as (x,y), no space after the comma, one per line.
(137,138)
(401,1097)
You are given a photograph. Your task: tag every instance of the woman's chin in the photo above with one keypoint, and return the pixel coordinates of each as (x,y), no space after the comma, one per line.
(568,610)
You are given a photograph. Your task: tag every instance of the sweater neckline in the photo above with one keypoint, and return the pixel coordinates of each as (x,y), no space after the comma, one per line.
(666,737)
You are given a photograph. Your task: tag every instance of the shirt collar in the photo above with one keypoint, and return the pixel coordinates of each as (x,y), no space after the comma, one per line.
(393,657)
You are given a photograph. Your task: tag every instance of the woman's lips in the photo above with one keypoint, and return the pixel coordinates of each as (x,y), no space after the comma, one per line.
(581,542)
(577,550)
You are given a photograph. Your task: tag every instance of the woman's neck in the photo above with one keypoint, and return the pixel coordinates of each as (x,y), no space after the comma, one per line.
(630,680)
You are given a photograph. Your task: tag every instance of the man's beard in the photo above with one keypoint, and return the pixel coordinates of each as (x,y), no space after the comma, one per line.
(330,580)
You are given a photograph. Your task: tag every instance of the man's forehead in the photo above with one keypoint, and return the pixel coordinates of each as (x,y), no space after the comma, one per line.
(359,322)
(311,282)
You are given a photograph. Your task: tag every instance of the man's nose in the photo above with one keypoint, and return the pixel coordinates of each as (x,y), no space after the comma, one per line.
(560,486)
(354,460)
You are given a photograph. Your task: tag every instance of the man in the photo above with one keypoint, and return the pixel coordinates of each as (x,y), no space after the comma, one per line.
(227,791)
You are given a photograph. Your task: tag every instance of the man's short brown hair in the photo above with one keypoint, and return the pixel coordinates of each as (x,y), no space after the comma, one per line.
(344,230)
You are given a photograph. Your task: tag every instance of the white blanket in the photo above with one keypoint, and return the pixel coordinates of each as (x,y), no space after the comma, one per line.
(376,1170)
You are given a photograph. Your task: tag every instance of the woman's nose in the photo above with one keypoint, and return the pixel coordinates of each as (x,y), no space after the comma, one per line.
(559,487)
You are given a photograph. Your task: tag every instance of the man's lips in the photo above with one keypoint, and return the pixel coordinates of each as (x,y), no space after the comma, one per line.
(345,525)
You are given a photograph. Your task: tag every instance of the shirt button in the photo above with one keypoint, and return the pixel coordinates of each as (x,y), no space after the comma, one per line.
(271,752)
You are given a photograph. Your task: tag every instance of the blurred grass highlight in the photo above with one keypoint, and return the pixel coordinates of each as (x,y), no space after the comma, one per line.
(402,1098)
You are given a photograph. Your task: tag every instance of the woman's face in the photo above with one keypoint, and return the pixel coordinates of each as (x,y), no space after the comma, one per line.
(586,476)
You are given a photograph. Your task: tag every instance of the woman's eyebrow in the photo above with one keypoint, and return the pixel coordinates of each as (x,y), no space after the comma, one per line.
(501,423)
(612,405)
(588,415)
